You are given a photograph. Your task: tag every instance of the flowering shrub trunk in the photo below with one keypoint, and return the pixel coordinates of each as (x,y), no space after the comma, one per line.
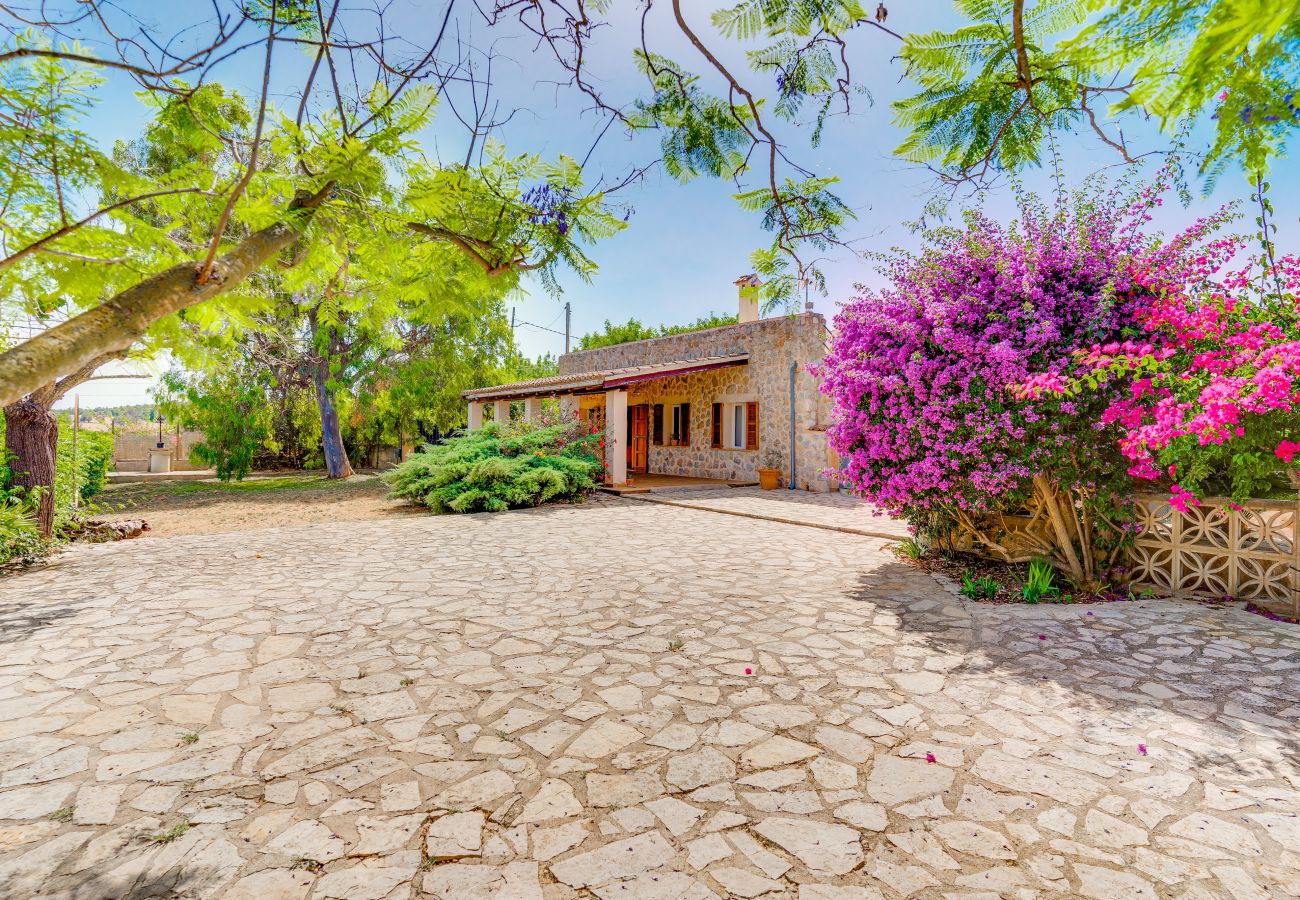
(947,384)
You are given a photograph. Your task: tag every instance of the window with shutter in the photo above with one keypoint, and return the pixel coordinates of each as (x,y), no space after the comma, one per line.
(658,425)
(717,425)
(686,424)
(751,426)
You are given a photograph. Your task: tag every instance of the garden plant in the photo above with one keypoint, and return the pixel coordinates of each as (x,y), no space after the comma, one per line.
(497,467)
(951,385)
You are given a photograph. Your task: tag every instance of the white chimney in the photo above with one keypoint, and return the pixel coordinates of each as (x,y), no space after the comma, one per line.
(748,286)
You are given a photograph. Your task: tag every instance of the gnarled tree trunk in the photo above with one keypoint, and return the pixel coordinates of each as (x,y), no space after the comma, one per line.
(31,437)
(336,455)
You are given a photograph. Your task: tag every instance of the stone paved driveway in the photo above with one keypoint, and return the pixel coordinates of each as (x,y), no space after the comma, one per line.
(623,700)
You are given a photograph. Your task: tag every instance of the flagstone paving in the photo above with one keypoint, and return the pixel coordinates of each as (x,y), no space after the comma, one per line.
(623,700)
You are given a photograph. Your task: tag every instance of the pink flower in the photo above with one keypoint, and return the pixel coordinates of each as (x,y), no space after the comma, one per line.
(1142,748)
(929,757)
(1286,450)
(1042,637)
(748,670)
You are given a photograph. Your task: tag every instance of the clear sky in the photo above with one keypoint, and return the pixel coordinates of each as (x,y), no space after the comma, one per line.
(685,244)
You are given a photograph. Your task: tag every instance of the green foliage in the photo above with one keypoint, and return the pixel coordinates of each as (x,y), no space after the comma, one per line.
(230,409)
(86,469)
(983,587)
(991,95)
(973,114)
(493,469)
(910,548)
(1187,57)
(633,330)
(20,540)
(1040,583)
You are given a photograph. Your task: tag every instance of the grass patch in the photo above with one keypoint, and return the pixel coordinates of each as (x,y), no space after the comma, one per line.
(63,814)
(171,834)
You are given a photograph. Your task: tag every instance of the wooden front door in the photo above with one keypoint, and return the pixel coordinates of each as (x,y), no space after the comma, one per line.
(638,438)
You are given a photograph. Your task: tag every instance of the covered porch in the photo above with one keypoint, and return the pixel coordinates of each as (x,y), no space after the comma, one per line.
(652,483)
(603,397)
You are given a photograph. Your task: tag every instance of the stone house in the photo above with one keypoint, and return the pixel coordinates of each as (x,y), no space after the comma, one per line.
(701,405)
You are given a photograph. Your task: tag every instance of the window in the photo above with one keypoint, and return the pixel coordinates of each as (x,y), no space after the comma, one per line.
(671,426)
(735,426)
(681,433)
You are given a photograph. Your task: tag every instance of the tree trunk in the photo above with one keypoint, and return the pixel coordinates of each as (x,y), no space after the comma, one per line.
(114,325)
(31,437)
(336,456)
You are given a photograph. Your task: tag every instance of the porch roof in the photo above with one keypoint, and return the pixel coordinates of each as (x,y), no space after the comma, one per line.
(602,380)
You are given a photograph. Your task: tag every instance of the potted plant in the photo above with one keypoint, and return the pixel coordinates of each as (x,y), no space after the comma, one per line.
(769,469)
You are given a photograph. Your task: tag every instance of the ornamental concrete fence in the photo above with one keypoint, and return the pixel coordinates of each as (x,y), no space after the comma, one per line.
(1216,550)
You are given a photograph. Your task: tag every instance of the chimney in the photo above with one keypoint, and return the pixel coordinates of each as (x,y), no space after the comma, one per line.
(748,285)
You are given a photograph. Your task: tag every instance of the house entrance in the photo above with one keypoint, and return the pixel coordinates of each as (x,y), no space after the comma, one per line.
(638,438)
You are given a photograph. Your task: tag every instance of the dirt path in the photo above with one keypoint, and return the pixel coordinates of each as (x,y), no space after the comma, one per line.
(210,507)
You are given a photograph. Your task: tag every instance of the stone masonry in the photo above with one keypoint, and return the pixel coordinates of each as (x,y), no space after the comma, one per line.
(773,346)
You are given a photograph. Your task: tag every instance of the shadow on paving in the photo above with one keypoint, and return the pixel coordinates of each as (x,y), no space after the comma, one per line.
(1139,665)
(19,621)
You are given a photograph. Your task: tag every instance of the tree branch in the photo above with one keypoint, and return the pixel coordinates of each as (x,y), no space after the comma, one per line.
(117,323)
(41,243)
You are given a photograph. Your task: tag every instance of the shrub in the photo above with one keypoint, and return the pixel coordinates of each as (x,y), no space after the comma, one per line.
(20,540)
(1210,398)
(941,382)
(89,472)
(496,468)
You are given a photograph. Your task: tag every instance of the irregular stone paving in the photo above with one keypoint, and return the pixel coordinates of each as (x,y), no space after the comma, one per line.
(623,700)
(829,510)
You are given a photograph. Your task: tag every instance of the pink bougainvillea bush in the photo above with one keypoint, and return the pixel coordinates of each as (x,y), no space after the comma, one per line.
(948,386)
(1211,395)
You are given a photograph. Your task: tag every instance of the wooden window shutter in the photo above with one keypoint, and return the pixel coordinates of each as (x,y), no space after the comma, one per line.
(751,426)
(717,425)
(686,424)
(659,424)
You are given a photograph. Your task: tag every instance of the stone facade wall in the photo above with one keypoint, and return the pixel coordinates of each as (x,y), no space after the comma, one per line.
(772,344)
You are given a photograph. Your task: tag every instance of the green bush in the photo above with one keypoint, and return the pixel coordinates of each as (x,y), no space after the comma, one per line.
(20,542)
(495,468)
(93,460)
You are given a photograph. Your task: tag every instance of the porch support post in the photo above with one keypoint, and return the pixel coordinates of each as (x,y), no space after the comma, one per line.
(475,419)
(533,409)
(616,436)
(501,412)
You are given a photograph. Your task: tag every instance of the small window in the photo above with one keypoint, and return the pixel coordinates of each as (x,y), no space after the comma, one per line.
(679,423)
(657,429)
(735,426)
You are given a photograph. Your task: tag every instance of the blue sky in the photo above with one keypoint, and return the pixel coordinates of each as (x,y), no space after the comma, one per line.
(686,244)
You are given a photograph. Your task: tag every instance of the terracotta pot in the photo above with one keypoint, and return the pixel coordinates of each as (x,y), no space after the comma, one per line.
(769,479)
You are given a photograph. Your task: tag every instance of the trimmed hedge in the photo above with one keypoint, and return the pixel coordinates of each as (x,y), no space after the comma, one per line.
(494,468)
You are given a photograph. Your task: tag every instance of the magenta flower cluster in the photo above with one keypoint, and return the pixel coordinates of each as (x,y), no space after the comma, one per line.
(1213,396)
(1070,345)
(946,385)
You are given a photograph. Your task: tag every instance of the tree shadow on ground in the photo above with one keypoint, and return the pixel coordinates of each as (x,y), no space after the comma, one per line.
(19,621)
(1156,667)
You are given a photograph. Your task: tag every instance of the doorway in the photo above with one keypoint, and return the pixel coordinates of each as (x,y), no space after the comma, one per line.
(638,438)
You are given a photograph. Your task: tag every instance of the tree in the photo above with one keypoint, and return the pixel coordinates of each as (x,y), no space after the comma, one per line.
(340,126)
(633,330)
(994,90)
